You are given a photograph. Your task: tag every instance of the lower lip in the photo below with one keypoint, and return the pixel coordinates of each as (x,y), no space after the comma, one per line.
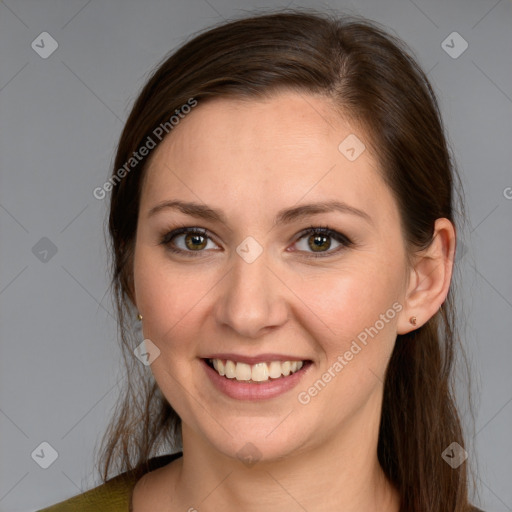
(240,390)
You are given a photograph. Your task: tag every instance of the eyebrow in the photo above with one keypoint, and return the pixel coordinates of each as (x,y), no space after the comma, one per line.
(285,216)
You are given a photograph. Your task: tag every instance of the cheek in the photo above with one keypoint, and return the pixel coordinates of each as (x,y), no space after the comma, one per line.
(168,301)
(353,321)
(359,304)
(165,297)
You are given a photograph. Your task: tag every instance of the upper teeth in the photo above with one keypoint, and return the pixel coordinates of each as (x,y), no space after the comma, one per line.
(256,372)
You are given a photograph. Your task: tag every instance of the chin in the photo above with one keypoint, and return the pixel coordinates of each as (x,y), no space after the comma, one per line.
(252,439)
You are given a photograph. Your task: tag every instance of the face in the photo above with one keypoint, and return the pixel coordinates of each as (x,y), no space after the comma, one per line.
(248,283)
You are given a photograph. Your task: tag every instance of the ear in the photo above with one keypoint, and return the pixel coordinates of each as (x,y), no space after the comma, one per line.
(130,285)
(430,278)
(128,277)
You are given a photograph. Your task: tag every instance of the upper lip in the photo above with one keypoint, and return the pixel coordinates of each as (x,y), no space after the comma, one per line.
(261,358)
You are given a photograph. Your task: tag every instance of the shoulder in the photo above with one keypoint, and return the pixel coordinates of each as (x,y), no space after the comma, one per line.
(154,489)
(112,496)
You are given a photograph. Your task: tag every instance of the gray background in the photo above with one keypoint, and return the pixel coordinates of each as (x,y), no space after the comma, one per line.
(60,121)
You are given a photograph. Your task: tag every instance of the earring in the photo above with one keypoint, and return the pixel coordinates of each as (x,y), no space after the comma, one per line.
(412,320)
(139,317)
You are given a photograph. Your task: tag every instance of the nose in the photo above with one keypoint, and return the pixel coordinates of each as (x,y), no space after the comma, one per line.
(251,298)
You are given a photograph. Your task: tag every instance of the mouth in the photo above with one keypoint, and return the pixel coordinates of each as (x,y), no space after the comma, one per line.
(257,377)
(260,372)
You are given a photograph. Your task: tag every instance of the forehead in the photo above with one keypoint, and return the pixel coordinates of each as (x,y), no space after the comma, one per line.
(275,152)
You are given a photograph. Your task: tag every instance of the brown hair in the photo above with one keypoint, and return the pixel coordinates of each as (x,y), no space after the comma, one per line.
(373,80)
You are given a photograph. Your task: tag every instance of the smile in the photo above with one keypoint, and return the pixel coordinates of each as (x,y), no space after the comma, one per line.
(256,378)
(259,372)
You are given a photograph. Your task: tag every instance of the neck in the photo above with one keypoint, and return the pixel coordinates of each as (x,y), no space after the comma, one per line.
(342,474)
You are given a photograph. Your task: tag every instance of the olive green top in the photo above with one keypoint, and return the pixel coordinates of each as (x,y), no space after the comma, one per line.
(115,495)
(112,496)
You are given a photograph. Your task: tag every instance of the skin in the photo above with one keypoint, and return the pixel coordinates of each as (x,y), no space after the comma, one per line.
(251,159)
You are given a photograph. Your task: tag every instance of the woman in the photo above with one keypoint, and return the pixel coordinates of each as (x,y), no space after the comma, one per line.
(282,224)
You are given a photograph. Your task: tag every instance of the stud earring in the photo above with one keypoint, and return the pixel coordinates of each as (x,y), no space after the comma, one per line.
(412,320)
(139,317)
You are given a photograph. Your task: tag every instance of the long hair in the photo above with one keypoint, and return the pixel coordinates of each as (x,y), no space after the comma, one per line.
(372,79)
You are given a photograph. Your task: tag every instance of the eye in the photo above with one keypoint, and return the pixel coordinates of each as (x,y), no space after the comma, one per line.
(319,241)
(187,241)
(191,241)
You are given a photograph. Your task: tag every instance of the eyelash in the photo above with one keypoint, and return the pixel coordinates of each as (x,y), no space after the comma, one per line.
(312,230)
